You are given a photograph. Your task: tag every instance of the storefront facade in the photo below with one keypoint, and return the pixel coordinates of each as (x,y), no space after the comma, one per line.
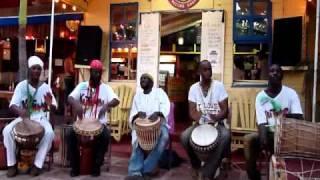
(99,13)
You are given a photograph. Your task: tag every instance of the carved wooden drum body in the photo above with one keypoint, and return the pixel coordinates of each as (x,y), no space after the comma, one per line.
(148,133)
(28,134)
(87,129)
(204,139)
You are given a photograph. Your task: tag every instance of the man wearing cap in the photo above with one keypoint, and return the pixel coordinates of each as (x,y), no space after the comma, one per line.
(91,99)
(151,103)
(32,99)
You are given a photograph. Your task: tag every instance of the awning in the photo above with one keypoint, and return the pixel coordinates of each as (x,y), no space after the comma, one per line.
(40,19)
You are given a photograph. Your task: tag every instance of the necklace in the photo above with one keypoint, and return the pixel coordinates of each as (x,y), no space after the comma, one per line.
(31,98)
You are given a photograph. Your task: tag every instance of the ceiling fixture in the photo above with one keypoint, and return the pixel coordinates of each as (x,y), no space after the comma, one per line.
(180,40)
(64,6)
(57,1)
(72,25)
(74,8)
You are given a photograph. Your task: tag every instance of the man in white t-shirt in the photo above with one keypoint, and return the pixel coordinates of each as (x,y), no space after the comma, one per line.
(91,99)
(276,99)
(208,103)
(151,103)
(32,99)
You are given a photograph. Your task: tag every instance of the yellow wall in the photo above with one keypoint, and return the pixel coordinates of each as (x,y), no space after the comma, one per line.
(291,8)
(99,10)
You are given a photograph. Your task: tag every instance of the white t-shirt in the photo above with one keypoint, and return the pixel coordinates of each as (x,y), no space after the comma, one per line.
(39,107)
(287,100)
(92,100)
(157,100)
(209,104)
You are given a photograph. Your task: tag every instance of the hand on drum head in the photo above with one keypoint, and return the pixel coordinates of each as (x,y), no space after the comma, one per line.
(79,110)
(48,98)
(154,116)
(103,111)
(141,115)
(23,113)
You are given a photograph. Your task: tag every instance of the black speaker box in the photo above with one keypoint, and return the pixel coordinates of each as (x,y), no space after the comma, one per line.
(89,44)
(287,41)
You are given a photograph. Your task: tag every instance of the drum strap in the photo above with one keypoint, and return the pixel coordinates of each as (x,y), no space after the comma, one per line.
(94,99)
(31,98)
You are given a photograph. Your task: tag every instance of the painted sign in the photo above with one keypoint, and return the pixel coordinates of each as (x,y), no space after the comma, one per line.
(183,4)
(149,46)
(212,41)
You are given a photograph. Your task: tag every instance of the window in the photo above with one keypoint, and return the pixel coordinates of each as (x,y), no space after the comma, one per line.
(252,21)
(6,49)
(123,41)
(252,38)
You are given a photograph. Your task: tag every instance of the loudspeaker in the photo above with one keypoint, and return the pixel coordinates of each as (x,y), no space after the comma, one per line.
(89,44)
(287,41)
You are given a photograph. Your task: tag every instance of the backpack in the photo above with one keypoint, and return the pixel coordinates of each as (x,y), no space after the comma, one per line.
(169,159)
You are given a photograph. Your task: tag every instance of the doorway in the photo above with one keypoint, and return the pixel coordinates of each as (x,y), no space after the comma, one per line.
(179,55)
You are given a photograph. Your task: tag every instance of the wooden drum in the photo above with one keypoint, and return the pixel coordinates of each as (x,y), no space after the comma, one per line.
(298,138)
(204,138)
(148,133)
(87,129)
(28,134)
(297,150)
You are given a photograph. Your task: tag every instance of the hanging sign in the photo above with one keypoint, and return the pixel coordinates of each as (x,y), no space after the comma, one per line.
(212,41)
(149,46)
(183,4)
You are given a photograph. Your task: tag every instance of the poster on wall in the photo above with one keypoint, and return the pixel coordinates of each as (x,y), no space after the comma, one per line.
(148,46)
(212,41)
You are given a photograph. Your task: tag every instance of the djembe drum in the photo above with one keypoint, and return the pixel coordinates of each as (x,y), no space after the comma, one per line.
(148,133)
(27,134)
(204,139)
(87,130)
(297,144)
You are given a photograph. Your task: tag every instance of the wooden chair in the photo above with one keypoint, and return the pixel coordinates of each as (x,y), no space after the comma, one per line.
(118,117)
(3,122)
(49,158)
(243,116)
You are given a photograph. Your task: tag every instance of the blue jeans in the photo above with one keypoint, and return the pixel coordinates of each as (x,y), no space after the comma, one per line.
(139,164)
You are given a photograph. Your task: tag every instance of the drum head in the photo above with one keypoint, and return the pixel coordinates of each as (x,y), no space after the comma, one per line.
(88,124)
(204,135)
(28,128)
(146,122)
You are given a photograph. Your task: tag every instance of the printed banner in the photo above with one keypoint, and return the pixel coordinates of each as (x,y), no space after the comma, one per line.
(212,41)
(149,46)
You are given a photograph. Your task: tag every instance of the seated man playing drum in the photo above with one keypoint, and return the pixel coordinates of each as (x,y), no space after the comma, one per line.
(91,100)
(208,106)
(153,104)
(275,100)
(31,101)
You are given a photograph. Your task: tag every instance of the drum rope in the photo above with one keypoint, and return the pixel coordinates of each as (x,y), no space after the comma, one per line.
(30,98)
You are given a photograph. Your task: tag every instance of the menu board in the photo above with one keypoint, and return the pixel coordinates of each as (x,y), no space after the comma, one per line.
(148,46)
(212,41)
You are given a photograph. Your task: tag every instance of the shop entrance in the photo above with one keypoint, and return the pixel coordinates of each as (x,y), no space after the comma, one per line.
(179,54)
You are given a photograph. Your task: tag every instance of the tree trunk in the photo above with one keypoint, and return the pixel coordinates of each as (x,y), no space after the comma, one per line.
(23,65)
